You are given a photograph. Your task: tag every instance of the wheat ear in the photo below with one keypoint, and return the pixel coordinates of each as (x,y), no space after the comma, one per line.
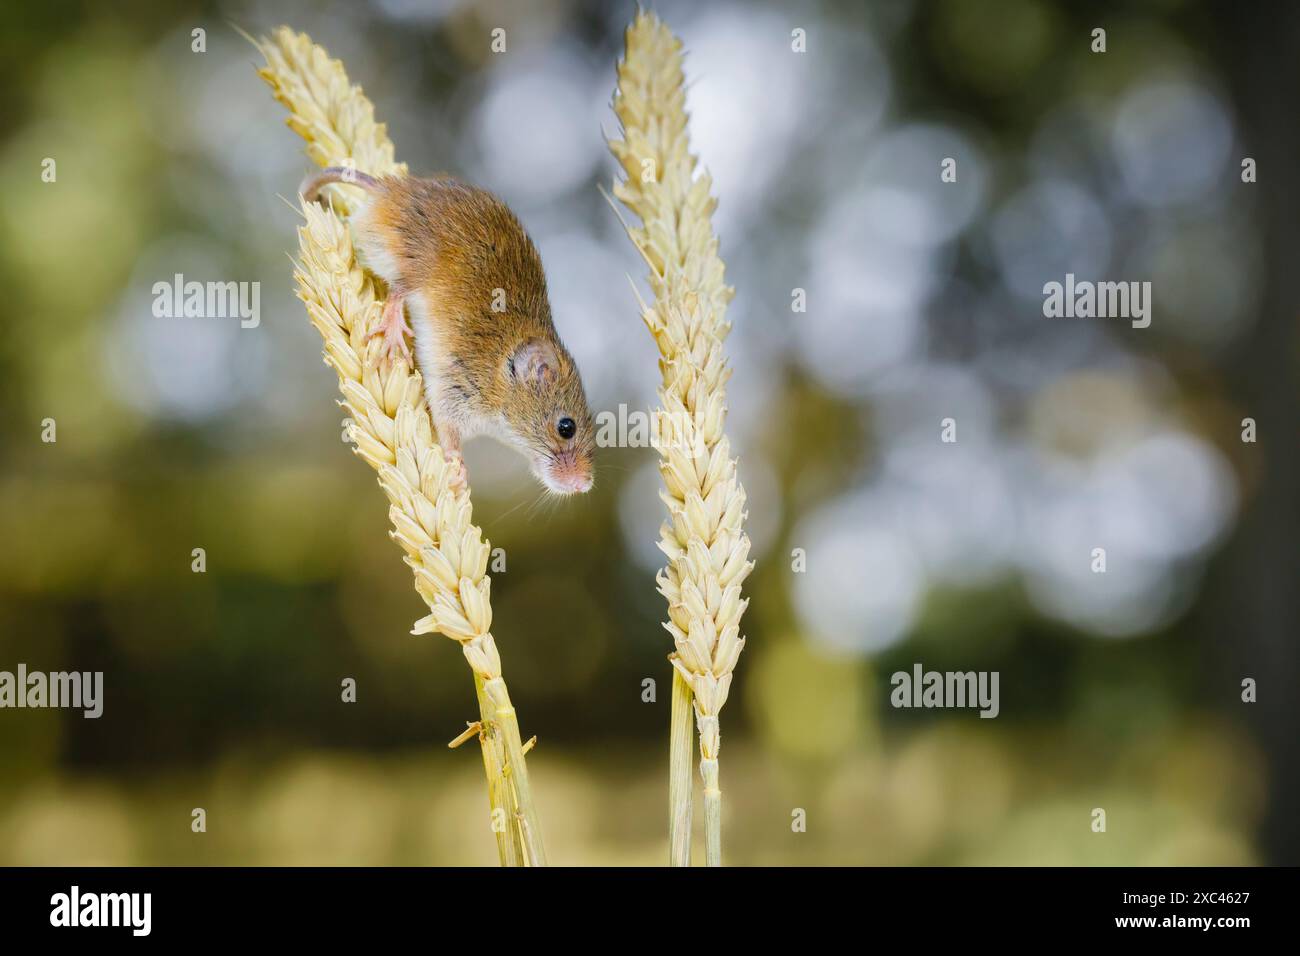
(706,548)
(391,426)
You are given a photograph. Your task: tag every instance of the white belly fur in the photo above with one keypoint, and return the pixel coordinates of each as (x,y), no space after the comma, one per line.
(430,350)
(370,248)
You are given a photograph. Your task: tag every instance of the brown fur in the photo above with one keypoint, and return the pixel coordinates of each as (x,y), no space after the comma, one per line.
(448,246)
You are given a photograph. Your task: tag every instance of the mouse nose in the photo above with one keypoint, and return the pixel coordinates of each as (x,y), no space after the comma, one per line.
(578,483)
(567,474)
(570,481)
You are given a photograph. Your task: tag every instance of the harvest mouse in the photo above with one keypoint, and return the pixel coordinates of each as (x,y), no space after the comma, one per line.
(492,362)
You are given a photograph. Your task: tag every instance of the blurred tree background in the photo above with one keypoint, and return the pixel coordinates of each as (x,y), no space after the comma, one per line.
(1120,691)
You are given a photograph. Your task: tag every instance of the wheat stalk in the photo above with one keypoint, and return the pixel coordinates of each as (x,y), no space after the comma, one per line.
(706,548)
(391,426)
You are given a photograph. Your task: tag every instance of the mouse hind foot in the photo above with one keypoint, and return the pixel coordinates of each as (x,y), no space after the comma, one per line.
(449,439)
(393,327)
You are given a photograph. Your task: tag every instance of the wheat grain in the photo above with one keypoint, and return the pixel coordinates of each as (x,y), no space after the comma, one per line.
(707,549)
(391,427)
(335,119)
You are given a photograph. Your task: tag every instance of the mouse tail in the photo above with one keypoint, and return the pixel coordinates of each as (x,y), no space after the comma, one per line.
(312,185)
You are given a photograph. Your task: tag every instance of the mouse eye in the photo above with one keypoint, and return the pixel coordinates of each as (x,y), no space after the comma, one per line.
(566,427)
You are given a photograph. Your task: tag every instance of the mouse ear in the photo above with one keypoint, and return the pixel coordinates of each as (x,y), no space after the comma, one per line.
(535,363)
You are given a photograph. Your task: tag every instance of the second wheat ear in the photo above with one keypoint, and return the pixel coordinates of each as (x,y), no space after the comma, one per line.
(394,434)
(707,549)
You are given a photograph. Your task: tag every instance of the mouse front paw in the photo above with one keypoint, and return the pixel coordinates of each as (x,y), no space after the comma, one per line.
(459,480)
(394,329)
(395,343)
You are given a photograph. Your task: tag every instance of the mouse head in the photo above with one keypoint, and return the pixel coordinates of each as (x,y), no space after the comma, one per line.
(547,415)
